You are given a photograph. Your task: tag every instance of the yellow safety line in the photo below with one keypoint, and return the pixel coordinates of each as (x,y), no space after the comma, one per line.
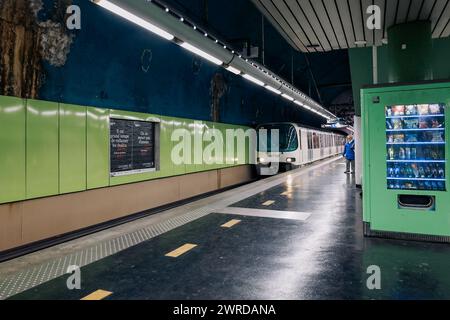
(286,193)
(98,295)
(181,250)
(268,203)
(231,223)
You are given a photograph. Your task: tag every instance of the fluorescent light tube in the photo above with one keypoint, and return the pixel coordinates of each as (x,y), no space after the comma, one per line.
(299,103)
(233,70)
(254,80)
(273,90)
(287,97)
(201,53)
(133,18)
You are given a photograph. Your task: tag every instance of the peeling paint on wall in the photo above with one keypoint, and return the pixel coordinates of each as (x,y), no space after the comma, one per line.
(25,43)
(20,66)
(54,43)
(36,6)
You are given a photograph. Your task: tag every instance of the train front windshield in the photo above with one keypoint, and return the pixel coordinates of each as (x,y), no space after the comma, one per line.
(288,140)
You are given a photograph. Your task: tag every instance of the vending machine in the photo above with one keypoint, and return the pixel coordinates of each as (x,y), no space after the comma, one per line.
(405,185)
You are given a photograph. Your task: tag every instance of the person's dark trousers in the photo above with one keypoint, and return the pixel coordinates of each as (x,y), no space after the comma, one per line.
(350,166)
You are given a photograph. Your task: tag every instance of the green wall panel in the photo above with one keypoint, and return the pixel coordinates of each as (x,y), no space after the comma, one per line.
(42,135)
(56,148)
(190,128)
(167,166)
(12,155)
(97,148)
(208,160)
(72,148)
(225,159)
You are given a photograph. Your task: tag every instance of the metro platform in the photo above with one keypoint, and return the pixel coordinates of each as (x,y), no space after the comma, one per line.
(298,235)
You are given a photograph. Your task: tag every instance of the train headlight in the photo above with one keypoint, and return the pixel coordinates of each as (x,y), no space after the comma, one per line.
(261,160)
(290,160)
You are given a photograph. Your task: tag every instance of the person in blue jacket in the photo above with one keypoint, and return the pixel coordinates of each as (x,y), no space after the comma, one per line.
(349,154)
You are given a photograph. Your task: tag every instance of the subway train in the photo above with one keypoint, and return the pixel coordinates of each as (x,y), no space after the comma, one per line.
(298,145)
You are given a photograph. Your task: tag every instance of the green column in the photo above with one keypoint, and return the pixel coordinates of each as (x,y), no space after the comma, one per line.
(410,52)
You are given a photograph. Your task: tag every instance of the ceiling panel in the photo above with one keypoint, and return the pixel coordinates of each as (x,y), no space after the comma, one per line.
(390,14)
(319,8)
(402,11)
(293,23)
(357,19)
(446,31)
(439,17)
(414,11)
(324,25)
(426,9)
(310,14)
(344,11)
(336,23)
(304,23)
(277,19)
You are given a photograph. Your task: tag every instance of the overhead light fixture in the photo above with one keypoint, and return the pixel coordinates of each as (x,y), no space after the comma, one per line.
(133,18)
(273,89)
(299,103)
(360,42)
(201,53)
(233,70)
(288,97)
(254,80)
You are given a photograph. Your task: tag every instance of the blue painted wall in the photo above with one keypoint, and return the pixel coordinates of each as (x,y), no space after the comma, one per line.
(115,64)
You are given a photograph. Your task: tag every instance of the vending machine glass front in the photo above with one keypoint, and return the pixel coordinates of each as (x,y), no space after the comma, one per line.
(415,147)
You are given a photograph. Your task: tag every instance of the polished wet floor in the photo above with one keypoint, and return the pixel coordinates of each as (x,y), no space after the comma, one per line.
(321,256)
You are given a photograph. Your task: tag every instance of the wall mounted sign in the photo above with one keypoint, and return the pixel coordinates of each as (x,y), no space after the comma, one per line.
(132,147)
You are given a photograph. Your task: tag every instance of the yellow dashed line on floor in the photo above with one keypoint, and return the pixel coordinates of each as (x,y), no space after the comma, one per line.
(286,193)
(181,250)
(97,295)
(268,203)
(231,223)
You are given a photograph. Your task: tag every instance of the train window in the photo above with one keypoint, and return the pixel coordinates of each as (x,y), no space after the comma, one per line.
(310,140)
(288,140)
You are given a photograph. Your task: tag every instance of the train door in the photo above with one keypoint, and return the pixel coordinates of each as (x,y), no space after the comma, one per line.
(322,145)
(330,152)
(304,142)
(316,145)
(310,146)
(334,144)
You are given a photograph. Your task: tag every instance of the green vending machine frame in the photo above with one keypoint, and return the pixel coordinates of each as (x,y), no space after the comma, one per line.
(405,153)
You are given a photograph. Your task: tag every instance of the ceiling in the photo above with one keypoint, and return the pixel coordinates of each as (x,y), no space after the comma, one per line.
(325,25)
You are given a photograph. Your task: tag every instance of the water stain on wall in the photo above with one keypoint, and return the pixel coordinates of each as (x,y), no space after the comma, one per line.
(26,43)
(217,90)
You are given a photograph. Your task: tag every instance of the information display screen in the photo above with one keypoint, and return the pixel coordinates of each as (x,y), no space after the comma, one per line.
(132,146)
(415,145)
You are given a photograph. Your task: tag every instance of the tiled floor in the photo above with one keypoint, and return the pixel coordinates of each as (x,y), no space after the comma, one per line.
(323,255)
